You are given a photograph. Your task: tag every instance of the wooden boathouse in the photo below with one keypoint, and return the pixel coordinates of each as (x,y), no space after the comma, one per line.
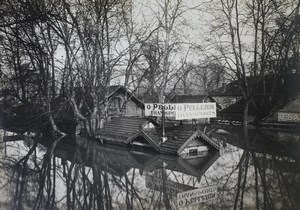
(146,134)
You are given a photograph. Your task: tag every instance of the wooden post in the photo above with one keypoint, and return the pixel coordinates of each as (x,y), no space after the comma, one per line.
(164,138)
(163,118)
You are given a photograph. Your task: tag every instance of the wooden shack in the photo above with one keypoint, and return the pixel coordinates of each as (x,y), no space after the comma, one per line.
(145,134)
(122,130)
(123,102)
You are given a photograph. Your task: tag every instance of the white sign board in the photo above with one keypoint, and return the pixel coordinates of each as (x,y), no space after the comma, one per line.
(168,186)
(288,117)
(195,111)
(196,196)
(182,111)
(155,110)
(287,137)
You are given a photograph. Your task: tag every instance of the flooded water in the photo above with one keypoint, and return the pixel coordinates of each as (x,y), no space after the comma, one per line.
(256,170)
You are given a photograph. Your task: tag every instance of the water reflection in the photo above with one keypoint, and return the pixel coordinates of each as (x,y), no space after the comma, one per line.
(256,171)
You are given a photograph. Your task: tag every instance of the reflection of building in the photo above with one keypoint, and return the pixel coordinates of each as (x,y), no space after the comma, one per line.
(152,166)
(143,173)
(120,160)
(275,143)
(160,184)
(94,174)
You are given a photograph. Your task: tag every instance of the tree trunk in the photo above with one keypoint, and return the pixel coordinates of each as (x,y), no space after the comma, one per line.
(246,113)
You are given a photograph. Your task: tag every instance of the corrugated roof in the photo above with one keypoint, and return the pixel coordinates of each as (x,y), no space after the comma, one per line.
(121,129)
(124,130)
(175,139)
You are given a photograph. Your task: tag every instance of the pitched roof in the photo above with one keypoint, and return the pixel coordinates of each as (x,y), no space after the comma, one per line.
(292,105)
(114,89)
(230,89)
(175,139)
(126,129)
(259,106)
(152,137)
(178,139)
(122,129)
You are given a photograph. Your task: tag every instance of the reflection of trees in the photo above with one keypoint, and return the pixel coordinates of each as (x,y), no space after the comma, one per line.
(34,180)
(80,181)
(16,183)
(86,180)
(83,180)
(276,185)
(260,180)
(45,183)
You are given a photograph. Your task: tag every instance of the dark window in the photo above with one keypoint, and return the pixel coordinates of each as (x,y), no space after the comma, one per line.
(193,152)
(115,104)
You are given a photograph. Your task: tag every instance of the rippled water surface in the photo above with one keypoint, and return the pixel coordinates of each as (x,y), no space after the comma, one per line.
(255,170)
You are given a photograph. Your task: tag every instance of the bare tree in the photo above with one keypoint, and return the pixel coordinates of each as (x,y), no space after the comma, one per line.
(240,41)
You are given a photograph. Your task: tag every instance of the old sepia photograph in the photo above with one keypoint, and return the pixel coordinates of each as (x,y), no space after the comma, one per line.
(150,104)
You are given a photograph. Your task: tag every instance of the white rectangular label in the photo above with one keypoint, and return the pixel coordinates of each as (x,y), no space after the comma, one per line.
(168,186)
(195,111)
(182,111)
(155,110)
(196,196)
(288,117)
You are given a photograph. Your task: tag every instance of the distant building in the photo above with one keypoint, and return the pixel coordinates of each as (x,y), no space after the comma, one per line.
(123,103)
(289,113)
(271,93)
